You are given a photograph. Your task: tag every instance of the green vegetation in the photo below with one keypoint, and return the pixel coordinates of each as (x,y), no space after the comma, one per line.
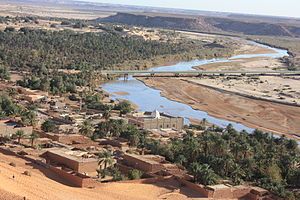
(124,107)
(290,43)
(259,158)
(116,174)
(36,49)
(7,107)
(48,126)
(4,73)
(28,118)
(134,174)
(59,83)
(18,19)
(95,102)
(19,135)
(86,128)
(45,53)
(33,137)
(105,159)
(118,128)
(110,128)
(203,174)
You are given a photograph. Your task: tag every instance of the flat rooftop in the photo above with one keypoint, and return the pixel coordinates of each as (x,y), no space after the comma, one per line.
(150,116)
(71,154)
(151,159)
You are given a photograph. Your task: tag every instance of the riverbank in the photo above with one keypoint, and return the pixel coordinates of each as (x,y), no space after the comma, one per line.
(267,116)
(181,96)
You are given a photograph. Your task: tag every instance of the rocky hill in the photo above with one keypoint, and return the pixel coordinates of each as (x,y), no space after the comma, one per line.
(171,22)
(206,24)
(253,28)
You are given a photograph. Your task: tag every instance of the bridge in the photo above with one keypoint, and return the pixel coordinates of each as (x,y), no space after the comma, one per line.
(197,73)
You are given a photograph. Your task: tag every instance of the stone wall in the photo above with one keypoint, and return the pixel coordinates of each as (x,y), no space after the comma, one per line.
(75,179)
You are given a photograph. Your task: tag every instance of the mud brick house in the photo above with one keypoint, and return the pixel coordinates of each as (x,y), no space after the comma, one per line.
(10,127)
(77,161)
(145,163)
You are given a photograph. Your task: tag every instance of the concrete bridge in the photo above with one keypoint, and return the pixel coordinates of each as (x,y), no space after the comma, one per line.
(197,73)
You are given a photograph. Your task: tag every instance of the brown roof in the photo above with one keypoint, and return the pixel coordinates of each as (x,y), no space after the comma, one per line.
(70,154)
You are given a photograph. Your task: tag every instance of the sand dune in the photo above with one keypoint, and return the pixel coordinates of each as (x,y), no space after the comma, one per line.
(44,185)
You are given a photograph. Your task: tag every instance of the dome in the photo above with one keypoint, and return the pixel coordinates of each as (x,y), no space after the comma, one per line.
(155,114)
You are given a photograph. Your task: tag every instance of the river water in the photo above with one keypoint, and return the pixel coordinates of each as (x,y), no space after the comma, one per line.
(149,99)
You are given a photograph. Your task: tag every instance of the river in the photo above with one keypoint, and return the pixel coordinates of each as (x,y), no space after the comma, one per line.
(149,99)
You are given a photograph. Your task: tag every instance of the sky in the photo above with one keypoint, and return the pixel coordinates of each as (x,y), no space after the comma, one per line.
(290,8)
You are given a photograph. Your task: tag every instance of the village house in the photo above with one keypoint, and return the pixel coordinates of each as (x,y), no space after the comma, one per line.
(77,161)
(155,120)
(32,96)
(152,164)
(10,127)
(145,163)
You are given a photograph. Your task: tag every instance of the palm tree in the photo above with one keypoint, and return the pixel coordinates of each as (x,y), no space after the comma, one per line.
(86,128)
(29,118)
(106,115)
(33,137)
(105,158)
(206,142)
(116,127)
(12,92)
(226,165)
(20,134)
(203,174)
(237,174)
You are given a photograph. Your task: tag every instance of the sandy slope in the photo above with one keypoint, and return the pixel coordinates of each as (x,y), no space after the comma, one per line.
(43,185)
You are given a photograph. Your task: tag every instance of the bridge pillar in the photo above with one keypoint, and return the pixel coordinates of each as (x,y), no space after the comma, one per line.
(125,77)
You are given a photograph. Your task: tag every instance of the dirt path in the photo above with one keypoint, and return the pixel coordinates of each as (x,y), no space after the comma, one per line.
(253,113)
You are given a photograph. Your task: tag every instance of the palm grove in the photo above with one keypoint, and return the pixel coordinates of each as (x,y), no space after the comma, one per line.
(44,53)
(217,154)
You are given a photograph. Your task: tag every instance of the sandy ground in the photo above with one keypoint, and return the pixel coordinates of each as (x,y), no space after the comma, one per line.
(252,49)
(278,89)
(53,189)
(49,11)
(228,104)
(253,113)
(249,64)
(121,93)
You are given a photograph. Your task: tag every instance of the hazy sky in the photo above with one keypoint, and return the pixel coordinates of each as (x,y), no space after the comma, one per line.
(266,7)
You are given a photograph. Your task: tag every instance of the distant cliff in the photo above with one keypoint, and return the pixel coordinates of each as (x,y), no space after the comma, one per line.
(170,22)
(253,28)
(206,24)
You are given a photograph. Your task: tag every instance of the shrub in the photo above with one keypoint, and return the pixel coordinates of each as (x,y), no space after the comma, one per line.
(13,164)
(134,174)
(48,126)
